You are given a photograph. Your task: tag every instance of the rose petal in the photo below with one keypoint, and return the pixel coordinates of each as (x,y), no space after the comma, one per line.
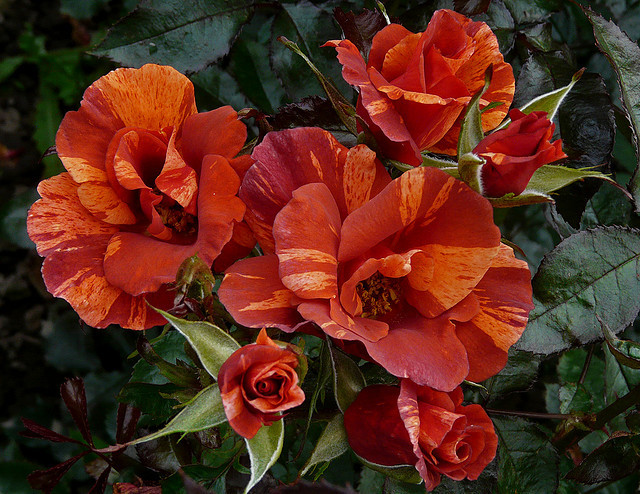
(253,293)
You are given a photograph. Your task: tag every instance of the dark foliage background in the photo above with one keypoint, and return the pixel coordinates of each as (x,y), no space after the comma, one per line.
(45,66)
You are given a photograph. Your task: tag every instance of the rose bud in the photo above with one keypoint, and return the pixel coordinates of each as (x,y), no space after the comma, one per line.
(417,425)
(514,153)
(414,88)
(257,382)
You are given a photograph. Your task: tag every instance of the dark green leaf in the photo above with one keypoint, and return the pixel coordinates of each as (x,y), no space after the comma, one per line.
(8,66)
(371,482)
(501,23)
(47,120)
(81,9)
(147,397)
(525,12)
(204,412)
(580,280)
(348,380)
(189,36)
(575,396)
(13,477)
(615,459)
(519,373)
(13,218)
(527,461)
(331,444)
(177,374)
(171,348)
(607,207)
(471,7)
(264,450)
(624,56)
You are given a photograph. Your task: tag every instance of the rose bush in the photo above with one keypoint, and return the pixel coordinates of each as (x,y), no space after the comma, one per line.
(416,425)
(411,271)
(514,153)
(414,88)
(149,182)
(258,382)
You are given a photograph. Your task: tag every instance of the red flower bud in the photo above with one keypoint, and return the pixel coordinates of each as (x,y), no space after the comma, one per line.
(257,382)
(514,153)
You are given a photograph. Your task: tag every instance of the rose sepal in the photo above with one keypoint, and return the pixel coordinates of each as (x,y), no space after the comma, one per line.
(548,179)
(548,102)
(404,473)
(471,132)
(469,168)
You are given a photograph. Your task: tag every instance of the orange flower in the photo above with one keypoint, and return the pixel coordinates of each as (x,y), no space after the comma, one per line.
(414,87)
(149,182)
(257,382)
(413,272)
(416,425)
(514,153)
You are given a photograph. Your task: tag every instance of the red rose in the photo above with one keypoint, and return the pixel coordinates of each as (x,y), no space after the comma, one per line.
(149,182)
(411,271)
(414,87)
(416,425)
(257,382)
(514,153)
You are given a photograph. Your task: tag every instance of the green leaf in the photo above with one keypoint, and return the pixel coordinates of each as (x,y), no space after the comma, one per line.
(47,120)
(548,102)
(607,207)
(211,343)
(171,348)
(594,273)
(148,398)
(624,56)
(348,380)
(331,443)
(527,461)
(203,412)
(545,180)
(573,395)
(519,373)
(615,459)
(189,36)
(8,66)
(471,126)
(403,473)
(264,450)
(13,218)
(626,352)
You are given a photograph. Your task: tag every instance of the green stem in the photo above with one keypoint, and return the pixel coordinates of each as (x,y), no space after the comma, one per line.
(597,421)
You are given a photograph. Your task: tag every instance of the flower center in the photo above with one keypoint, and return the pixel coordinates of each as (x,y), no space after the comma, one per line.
(176,218)
(378,294)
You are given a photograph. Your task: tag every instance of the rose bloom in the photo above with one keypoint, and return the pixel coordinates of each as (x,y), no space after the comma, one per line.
(416,425)
(414,88)
(149,182)
(514,153)
(258,382)
(410,272)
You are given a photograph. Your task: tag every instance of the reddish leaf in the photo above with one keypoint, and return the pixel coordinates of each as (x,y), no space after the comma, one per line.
(127,421)
(37,431)
(312,111)
(101,483)
(72,392)
(613,460)
(46,480)
(360,29)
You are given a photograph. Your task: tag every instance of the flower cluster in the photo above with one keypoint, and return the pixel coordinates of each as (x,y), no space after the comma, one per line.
(408,272)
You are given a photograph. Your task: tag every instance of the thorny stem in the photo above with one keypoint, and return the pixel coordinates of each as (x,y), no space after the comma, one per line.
(532,415)
(587,362)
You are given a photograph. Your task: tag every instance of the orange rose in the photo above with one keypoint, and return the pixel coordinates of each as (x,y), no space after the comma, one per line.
(257,382)
(410,270)
(416,425)
(149,182)
(414,87)
(514,153)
